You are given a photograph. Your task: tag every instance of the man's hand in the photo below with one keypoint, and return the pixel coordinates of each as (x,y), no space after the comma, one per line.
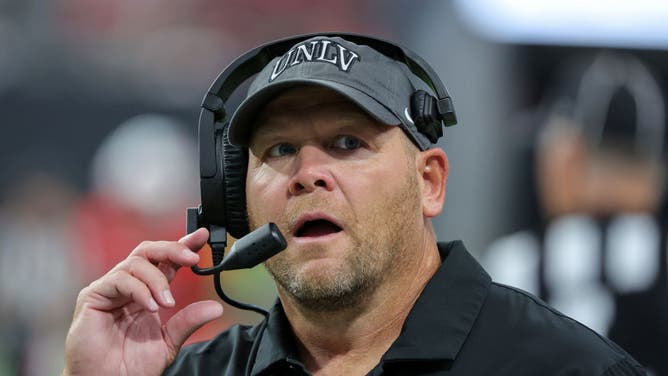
(116,328)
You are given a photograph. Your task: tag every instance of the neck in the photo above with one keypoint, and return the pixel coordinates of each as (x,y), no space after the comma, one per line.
(352,340)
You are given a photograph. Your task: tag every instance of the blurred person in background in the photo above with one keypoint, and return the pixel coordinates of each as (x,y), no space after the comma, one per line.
(143,175)
(39,273)
(598,251)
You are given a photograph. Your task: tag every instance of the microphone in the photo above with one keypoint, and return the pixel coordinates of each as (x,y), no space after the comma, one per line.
(247,252)
(254,248)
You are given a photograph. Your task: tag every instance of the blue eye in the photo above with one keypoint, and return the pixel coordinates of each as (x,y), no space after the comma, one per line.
(280,150)
(347,143)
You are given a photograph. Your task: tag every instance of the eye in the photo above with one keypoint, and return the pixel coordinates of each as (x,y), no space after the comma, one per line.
(347,143)
(281,150)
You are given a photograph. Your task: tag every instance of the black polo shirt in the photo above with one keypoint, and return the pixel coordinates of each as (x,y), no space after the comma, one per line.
(462,324)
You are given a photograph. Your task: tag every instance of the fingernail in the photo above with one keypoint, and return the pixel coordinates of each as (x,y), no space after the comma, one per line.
(169,299)
(153,305)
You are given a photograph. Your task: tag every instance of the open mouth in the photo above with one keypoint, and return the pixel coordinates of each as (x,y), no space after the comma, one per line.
(318,227)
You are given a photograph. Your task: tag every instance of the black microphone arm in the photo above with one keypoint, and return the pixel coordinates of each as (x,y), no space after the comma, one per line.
(247,252)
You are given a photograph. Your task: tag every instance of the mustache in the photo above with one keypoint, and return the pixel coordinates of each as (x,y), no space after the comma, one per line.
(288,221)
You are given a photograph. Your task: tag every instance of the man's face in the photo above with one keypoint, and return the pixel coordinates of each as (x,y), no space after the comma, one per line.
(342,188)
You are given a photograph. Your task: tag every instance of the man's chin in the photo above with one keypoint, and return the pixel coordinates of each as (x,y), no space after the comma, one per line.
(308,268)
(326,299)
(326,289)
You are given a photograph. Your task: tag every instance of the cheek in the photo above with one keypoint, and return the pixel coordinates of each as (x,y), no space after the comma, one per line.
(368,188)
(263,185)
(381,189)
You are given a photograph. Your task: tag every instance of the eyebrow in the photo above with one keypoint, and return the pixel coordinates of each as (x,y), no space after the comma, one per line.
(350,128)
(264,134)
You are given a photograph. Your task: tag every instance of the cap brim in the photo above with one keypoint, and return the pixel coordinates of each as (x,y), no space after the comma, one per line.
(241,124)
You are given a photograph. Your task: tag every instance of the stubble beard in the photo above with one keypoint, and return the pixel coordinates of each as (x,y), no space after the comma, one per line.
(330,290)
(377,251)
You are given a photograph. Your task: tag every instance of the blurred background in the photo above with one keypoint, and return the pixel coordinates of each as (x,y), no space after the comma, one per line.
(557,164)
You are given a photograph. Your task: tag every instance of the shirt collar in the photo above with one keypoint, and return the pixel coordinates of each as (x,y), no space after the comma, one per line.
(435,329)
(277,343)
(442,317)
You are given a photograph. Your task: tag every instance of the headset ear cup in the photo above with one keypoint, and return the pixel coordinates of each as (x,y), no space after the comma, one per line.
(235,164)
(425,115)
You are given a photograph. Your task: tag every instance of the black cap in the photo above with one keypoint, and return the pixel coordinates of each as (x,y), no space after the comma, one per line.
(379,85)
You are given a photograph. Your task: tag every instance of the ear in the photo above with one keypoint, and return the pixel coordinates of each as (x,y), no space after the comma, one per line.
(433,167)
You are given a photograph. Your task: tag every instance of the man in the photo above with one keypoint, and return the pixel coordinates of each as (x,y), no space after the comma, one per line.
(337,163)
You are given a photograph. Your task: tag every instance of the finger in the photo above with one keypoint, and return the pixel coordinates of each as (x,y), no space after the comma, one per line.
(166,252)
(170,255)
(195,240)
(152,277)
(168,269)
(119,288)
(188,320)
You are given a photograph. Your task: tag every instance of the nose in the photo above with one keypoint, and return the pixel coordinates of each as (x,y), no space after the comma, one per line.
(312,171)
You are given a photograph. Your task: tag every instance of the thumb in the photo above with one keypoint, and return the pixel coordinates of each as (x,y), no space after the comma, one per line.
(188,320)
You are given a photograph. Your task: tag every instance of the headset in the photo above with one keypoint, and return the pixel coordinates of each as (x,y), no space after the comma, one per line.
(223,166)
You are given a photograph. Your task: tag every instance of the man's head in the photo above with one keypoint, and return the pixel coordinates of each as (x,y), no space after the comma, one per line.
(338,163)
(352,195)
